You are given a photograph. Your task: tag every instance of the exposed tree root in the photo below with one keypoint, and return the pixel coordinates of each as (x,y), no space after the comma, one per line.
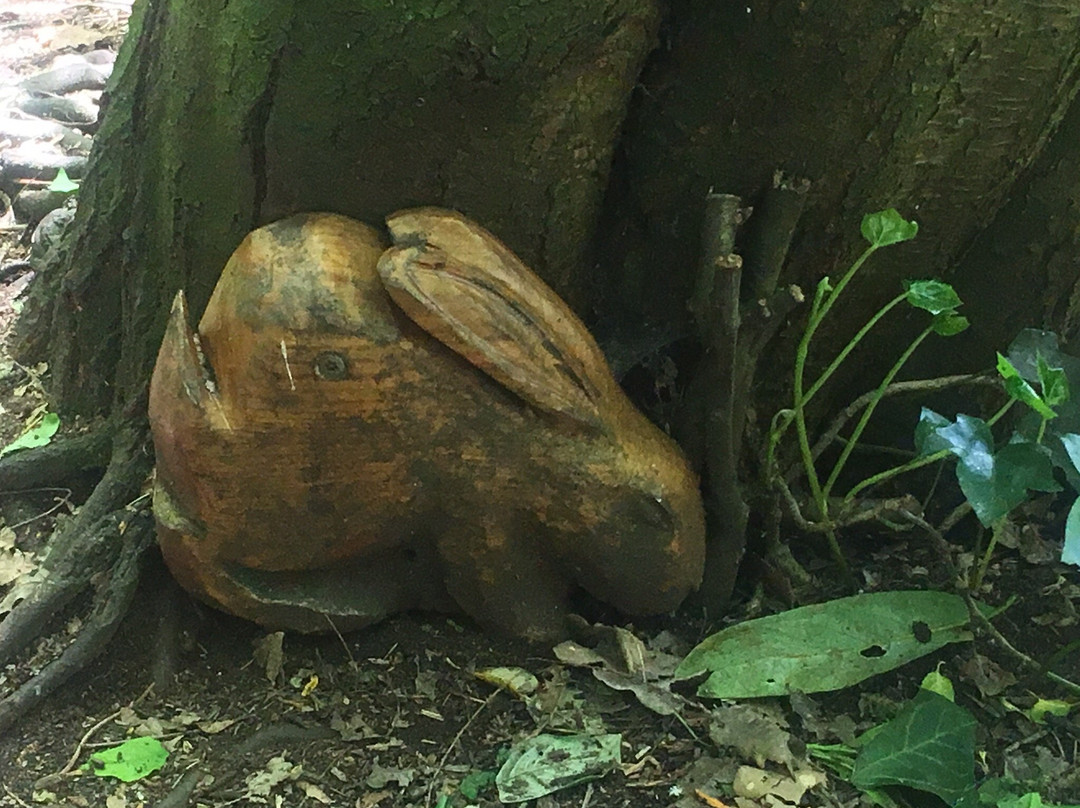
(56,461)
(233,760)
(133,530)
(109,534)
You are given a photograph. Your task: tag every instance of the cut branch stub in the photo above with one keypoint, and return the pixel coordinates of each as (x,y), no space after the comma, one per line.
(446,436)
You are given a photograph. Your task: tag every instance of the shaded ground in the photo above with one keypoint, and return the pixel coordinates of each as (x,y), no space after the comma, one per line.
(395,715)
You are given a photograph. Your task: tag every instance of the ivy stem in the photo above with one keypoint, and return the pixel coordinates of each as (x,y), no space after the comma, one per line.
(868,411)
(824,299)
(843,282)
(984,564)
(896,471)
(1004,408)
(855,340)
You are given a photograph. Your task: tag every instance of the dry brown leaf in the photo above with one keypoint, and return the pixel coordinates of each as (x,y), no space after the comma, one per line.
(269,652)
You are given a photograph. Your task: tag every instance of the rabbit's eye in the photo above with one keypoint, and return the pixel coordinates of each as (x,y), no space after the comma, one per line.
(331,366)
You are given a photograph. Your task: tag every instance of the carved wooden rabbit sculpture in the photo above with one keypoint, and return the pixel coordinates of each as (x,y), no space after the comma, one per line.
(356,431)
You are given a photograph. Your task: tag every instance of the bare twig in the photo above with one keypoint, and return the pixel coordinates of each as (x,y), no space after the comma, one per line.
(1027,663)
(943,548)
(715,306)
(345,645)
(957,513)
(15,796)
(60,503)
(896,388)
(454,742)
(769,234)
(48,779)
(794,510)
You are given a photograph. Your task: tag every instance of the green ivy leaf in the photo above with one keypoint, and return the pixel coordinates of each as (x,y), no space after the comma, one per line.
(1070,552)
(887,227)
(1018,388)
(937,682)
(1053,382)
(1028,464)
(929,746)
(475,784)
(994,483)
(1016,469)
(62,183)
(40,435)
(932,296)
(949,323)
(927,440)
(1029,344)
(1002,792)
(1071,442)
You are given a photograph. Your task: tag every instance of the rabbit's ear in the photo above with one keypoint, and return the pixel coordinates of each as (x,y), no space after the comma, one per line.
(464,287)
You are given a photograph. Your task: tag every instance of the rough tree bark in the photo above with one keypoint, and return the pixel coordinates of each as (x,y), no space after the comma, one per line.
(563,128)
(221,119)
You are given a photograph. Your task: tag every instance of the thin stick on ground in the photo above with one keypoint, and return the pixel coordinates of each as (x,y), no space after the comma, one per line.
(1027,663)
(85,739)
(454,742)
(894,389)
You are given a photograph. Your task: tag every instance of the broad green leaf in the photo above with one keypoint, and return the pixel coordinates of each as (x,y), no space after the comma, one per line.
(1025,352)
(927,440)
(1071,442)
(39,435)
(132,760)
(935,297)
(1053,441)
(970,439)
(1070,553)
(949,324)
(62,183)
(887,227)
(1029,464)
(826,646)
(1018,388)
(929,746)
(995,484)
(1053,382)
(547,763)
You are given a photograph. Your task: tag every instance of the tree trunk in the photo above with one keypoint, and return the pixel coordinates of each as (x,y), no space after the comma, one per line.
(219,122)
(926,107)
(561,126)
